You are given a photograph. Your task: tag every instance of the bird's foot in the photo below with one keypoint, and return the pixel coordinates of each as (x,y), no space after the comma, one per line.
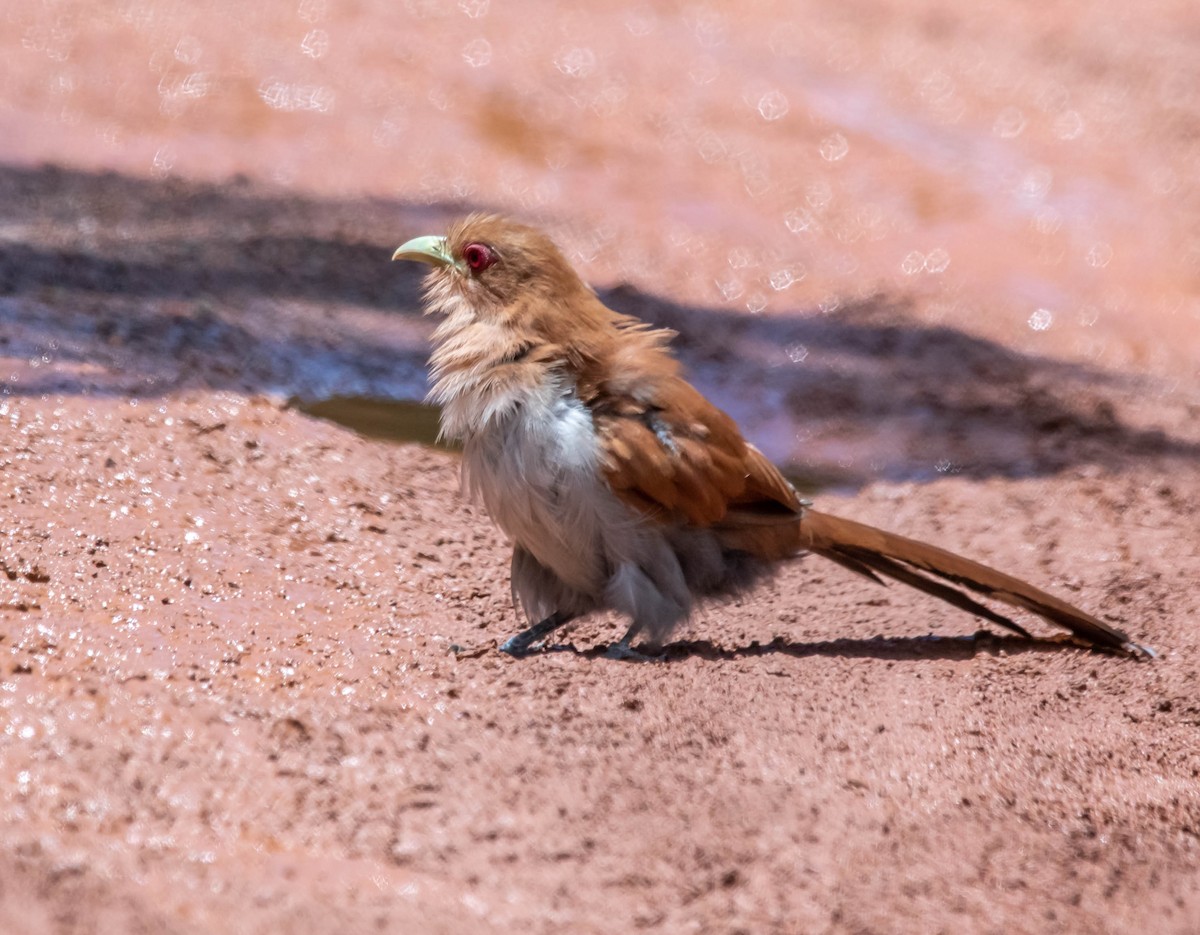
(532,639)
(627,653)
(521,645)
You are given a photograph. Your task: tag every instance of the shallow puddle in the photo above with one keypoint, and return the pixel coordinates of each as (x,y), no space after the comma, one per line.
(395,420)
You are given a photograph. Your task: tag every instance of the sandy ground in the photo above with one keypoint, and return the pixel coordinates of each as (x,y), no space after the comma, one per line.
(945,267)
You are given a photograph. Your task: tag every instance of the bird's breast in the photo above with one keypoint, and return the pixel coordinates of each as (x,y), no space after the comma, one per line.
(537,470)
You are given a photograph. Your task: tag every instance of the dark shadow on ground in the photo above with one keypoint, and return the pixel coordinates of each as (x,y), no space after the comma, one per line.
(130,286)
(900,648)
(893,648)
(888,648)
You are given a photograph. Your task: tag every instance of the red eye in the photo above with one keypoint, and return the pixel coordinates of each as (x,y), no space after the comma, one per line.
(478,256)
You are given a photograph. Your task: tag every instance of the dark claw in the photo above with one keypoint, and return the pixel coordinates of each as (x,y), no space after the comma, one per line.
(519,645)
(627,653)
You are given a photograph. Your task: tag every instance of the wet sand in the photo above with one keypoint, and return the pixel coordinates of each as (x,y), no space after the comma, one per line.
(943,265)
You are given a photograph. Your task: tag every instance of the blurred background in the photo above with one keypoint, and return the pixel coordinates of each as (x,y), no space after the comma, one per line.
(899,239)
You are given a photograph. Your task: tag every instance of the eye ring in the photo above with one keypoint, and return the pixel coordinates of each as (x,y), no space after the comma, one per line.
(478,256)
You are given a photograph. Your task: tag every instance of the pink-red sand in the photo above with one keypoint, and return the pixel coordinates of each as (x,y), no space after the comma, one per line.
(945,260)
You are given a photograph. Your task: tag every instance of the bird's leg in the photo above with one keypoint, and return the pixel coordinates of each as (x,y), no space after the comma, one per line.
(519,645)
(623,649)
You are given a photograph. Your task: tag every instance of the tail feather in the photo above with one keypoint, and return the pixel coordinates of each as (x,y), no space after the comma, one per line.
(874,552)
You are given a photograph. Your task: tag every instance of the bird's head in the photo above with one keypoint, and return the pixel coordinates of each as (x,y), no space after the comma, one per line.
(495,268)
(509,299)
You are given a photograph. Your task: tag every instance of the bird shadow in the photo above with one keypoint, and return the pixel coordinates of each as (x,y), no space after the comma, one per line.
(115,285)
(887,648)
(893,648)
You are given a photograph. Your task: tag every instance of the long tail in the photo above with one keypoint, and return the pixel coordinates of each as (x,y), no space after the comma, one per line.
(873,552)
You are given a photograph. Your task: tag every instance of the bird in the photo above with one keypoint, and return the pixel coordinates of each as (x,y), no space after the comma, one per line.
(620,486)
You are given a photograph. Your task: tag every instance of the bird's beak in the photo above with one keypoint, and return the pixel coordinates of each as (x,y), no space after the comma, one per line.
(431,250)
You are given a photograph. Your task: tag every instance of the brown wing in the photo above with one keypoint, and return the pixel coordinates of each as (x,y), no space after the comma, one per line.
(678,457)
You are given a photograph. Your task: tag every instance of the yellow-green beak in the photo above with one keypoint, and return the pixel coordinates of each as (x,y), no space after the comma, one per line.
(431,250)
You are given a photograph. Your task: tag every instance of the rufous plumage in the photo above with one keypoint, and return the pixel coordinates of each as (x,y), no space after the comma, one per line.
(619,484)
